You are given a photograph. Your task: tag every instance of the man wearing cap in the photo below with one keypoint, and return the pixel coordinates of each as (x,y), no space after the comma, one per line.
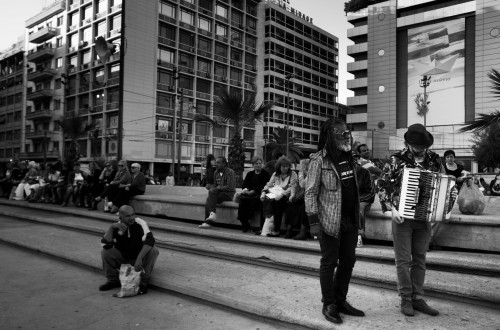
(411,237)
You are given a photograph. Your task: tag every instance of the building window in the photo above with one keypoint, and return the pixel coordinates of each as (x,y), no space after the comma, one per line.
(206,4)
(204,44)
(187,17)
(114,70)
(165,100)
(204,66)
(203,86)
(100,29)
(166,9)
(186,60)
(59,42)
(58,83)
(236,55)
(101,6)
(203,108)
(237,17)
(73,19)
(87,34)
(186,82)
(221,30)
(60,21)
(86,57)
(116,22)
(164,77)
(236,35)
(73,61)
(87,13)
(205,24)
(220,70)
(167,31)
(59,63)
(73,40)
(186,38)
(221,10)
(166,55)
(236,75)
(221,50)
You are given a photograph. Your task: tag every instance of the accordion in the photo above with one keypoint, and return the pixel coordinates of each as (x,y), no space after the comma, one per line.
(426,195)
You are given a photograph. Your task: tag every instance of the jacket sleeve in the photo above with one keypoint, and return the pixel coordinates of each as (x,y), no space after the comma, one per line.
(313,182)
(270,183)
(292,185)
(366,189)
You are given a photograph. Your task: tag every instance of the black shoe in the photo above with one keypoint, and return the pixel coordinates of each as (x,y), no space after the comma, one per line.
(406,307)
(288,235)
(143,289)
(331,314)
(258,232)
(346,308)
(245,226)
(109,285)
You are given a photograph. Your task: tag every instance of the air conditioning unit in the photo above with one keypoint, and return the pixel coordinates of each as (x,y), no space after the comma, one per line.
(88,20)
(224,79)
(72,49)
(171,88)
(207,138)
(190,70)
(191,50)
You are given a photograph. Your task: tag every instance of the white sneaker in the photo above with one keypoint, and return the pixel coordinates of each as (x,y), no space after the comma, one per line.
(360,241)
(204,225)
(211,217)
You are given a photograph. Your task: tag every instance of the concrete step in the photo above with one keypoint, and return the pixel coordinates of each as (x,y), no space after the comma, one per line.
(280,295)
(487,264)
(280,254)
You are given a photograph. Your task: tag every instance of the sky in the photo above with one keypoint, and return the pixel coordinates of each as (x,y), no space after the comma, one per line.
(327,14)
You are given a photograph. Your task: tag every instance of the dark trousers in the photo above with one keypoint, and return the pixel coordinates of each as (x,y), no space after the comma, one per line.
(337,253)
(275,208)
(122,196)
(247,208)
(112,259)
(296,214)
(215,197)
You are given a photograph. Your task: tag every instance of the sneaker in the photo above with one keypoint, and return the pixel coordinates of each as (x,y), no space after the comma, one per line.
(360,241)
(407,308)
(421,306)
(211,217)
(205,225)
(109,285)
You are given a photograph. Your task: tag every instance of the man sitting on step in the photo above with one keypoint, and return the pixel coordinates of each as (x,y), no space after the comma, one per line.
(128,241)
(221,190)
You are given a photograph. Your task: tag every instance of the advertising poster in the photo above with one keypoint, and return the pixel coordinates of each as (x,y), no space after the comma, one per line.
(438,51)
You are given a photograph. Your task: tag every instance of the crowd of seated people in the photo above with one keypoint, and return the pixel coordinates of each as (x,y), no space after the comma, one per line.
(71,184)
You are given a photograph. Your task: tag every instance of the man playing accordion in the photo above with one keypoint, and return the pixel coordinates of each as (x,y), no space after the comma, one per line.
(411,237)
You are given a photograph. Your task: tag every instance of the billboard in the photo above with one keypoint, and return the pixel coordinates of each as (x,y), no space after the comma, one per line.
(437,51)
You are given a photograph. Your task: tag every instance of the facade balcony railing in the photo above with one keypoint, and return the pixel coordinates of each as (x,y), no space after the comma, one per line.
(40,94)
(40,114)
(164,135)
(41,54)
(43,35)
(40,75)
(357,66)
(36,134)
(220,140)
(357,48)
(50,154)
(166,41)
(357,83)
(357,31)
(116,8)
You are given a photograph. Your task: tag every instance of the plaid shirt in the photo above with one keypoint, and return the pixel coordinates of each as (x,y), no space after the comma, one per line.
(323,195)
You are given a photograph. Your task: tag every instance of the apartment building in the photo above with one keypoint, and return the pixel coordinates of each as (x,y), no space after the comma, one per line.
(12,95)
(408,49)
(168,60)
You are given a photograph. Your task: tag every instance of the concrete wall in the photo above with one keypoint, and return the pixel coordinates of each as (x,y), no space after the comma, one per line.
(139,86)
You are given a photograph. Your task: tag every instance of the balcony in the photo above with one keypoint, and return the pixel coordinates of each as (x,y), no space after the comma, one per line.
(357,48)
(357,100)
(51,154)
(33,135)
(41,54)
(357,31)
(40,114)
(357,66)
(43,35)
(40,75)
(41,94)
(357,83)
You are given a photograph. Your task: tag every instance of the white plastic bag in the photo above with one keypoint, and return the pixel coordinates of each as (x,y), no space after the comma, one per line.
(275,192)
(130,280)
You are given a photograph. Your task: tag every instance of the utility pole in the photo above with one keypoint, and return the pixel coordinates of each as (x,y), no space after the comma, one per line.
(288,77)
(425,82)
(179,131)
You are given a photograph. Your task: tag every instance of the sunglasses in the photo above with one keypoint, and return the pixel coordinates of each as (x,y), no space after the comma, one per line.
(345,134)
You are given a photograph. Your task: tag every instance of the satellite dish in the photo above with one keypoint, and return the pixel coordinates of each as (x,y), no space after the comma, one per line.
(104,49)
(380,124)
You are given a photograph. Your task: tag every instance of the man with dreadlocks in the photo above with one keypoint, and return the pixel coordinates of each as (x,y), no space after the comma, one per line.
(332,207)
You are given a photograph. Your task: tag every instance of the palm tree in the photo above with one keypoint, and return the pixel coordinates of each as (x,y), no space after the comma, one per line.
(486,120)
(239,111)
(73,127)
(278,145)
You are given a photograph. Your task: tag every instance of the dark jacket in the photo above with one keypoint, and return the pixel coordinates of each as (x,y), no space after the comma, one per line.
(138,183)
(131,242)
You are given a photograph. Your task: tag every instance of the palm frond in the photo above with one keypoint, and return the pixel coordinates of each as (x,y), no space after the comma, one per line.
(494,76)
(206,119)
(484,121)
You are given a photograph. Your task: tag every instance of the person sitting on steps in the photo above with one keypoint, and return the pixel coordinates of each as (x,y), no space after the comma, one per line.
(221,190)
(122,177)
(128,241)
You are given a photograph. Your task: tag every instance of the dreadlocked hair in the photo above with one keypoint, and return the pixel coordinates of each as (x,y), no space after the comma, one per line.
(328,140)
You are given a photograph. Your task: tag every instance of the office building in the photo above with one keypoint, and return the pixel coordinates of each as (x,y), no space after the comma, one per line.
(410,49)
(169,57)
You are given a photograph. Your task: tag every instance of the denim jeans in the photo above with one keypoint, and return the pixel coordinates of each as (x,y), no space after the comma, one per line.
(411,240)
(112,259)
(339,251)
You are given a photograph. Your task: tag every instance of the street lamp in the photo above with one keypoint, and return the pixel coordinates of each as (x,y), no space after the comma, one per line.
(425,82)
(288,77)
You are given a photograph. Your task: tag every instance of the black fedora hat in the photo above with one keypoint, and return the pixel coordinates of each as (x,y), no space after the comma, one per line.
(417,136)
